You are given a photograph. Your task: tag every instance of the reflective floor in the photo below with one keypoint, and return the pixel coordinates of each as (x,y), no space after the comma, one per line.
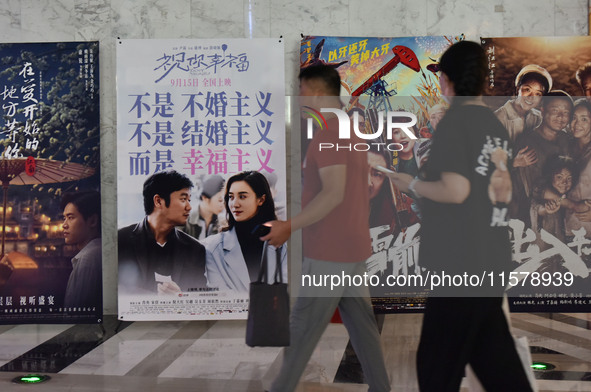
(212,356)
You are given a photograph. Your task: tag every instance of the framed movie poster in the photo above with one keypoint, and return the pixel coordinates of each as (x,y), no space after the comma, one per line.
(201,126)
(51,254)
(539,88)
(381,76)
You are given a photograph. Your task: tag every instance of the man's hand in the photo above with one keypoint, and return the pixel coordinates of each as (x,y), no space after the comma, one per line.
(168,288)
(585,216)
(279,234)
(552,206)
(525,158)
(401,180)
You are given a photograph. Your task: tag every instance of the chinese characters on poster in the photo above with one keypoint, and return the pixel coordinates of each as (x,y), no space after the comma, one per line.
(207,109)
(50,272)
(381,75)
(537,87)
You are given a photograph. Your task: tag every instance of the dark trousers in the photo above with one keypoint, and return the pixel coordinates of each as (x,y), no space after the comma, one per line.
(458,331)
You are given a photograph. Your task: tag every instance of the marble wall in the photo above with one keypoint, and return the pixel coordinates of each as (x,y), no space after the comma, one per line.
(105,20)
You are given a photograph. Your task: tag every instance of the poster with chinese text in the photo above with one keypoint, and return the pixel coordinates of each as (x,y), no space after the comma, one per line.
(538,88)
(51,255)
(380,75)
(205,110)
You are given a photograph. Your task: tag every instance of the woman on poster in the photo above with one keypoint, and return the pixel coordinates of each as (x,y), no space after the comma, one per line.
(580,129)
(233,256)
(464,230)
(521,113)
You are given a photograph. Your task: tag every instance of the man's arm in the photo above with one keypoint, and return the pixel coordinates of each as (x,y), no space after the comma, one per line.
(333,180)
(451,188)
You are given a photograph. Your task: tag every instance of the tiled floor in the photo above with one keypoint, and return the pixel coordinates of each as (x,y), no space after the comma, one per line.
(212,356)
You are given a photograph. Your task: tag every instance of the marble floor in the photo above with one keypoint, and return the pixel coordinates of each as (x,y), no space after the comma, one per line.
(212,356)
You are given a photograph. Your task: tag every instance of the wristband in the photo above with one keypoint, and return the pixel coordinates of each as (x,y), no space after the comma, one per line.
(411,188)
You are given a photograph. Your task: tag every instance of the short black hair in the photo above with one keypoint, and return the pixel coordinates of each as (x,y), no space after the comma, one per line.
(163,184)
(465,64)
(536,77)
(88,203)
(583,73)
(554,164)
(582,102)
(328,75)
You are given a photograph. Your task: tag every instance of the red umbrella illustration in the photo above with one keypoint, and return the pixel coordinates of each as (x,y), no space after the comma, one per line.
(30,171)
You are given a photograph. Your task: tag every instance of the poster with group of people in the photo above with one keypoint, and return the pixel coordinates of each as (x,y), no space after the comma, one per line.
(378,76)
(50,252)
(537,87)
(201,165)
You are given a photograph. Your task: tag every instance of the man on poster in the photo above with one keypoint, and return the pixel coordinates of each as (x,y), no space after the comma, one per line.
(334,219)
(155,256)
(82,229)
(546,140)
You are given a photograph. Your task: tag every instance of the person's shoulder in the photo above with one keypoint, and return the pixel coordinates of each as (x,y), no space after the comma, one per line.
(528,135)
(128,230)
(506,108)
(213,242)
(127,239)
(564,138)
(95,244)
(188,240)
(503,107)
(91,253)
(325,136)
(533,112)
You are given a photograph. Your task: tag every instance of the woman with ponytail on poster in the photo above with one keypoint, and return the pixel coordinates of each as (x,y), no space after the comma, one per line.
(464,201)
(233,256)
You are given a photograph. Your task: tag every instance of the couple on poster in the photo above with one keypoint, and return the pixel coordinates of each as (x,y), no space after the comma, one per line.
(156,257)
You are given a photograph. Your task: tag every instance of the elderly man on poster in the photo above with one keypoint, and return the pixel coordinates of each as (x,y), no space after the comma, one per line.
(154,256)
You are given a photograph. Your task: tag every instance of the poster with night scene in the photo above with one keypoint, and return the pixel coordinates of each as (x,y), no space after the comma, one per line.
(49,143)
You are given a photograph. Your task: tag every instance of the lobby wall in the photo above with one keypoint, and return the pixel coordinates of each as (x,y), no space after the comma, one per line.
(106,20)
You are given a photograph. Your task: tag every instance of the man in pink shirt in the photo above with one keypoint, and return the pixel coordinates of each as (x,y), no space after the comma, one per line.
(336,242)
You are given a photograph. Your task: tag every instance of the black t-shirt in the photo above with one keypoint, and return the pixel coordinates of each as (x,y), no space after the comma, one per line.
(472,236)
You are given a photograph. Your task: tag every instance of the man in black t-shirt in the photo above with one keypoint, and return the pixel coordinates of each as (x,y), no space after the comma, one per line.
(464,232)
(468,141)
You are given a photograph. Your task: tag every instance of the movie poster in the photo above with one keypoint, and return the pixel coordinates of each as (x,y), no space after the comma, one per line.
(382,75)
(51,257)
(533,83)
(206,109)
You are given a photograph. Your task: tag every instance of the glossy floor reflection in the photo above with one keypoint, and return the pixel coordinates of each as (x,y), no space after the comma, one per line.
(212,356)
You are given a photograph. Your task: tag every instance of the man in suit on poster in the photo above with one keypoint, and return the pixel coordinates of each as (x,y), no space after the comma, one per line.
(155,256)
